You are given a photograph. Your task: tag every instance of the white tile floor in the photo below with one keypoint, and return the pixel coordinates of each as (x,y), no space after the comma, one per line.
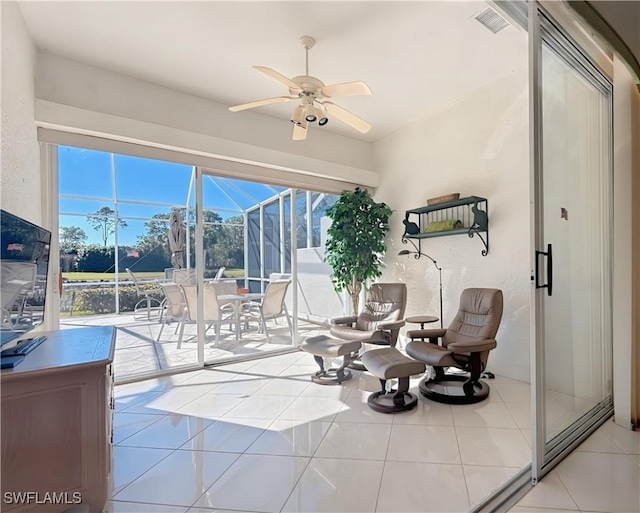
(260,437)
(602,475)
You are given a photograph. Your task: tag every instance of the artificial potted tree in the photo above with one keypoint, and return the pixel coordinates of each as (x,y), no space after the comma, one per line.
(356,241)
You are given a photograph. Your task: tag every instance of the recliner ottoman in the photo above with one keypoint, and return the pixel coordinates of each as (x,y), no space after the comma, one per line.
(323,346)
(389,363)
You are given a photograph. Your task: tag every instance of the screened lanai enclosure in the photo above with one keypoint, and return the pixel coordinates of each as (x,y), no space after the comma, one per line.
(119,265)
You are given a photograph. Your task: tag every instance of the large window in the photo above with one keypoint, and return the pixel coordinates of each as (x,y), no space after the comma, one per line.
(114,215)
(114,212)
(269,232)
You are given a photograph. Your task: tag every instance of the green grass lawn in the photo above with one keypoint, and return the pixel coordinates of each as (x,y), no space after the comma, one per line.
(80,276)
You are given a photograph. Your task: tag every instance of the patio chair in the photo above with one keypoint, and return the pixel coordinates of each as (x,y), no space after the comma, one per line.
(271,307)
(213,314)
(10,292)
(184,276)
(18,282)
(174,306)
(147,303)
(223,287)
(219,274)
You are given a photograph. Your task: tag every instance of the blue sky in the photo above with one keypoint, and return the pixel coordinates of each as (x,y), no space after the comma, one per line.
(166,184)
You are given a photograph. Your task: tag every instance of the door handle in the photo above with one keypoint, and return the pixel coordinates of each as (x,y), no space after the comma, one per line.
(549,284)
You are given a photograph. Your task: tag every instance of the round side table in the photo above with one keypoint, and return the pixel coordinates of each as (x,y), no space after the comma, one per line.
(422,320)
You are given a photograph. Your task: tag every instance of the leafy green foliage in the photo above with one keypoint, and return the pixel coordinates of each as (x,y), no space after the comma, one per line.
(223,242)
(101,299)
(155,239)
(71,238)
(95,300)
(96,258)
(104,221)
(228,250)
(356,241)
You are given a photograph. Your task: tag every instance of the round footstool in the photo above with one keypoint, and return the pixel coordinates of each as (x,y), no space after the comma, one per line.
(322,347)
(387,364)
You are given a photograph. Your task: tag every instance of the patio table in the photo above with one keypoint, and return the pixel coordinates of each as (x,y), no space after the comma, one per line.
(236,300)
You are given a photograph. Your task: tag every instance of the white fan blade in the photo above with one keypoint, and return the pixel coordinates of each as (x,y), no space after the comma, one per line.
(299,133)
(279,77)
(347,117)
(346,89)
(260,103)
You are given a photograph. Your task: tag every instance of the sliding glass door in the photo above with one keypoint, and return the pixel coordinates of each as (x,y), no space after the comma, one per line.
(572,262)
(264,238)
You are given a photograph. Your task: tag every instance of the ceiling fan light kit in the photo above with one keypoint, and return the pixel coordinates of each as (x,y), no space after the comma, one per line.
(311,92)
(310,113)
(298,116)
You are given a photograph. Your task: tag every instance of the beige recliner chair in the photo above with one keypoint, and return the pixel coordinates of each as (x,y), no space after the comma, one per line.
(379,323)
(464,345)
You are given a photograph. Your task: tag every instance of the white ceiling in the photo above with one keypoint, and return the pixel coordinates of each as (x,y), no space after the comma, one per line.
(415,56)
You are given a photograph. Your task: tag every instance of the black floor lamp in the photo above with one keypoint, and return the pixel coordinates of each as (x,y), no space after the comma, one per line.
(417,254)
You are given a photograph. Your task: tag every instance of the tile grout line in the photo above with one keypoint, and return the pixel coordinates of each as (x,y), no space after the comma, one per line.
(312,455)
(134,480)
(384,463)
(466,484)
(239,454)
(309,459)
(159,417)
(575,502)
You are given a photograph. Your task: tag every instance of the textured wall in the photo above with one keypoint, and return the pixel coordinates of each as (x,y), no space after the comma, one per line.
(626,107)
(20,158)
(477,146)
(316,297)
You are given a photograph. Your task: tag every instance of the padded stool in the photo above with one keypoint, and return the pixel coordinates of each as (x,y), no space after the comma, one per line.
(322,347)
(389,363)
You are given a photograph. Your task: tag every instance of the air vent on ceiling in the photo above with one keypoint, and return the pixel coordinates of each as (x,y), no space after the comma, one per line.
(492,20)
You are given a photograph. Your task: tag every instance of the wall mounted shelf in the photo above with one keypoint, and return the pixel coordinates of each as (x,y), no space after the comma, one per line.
(472,212)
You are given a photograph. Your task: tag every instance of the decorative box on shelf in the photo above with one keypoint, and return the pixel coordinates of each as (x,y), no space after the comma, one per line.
(459,216)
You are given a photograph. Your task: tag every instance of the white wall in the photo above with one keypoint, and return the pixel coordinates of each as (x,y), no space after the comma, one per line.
(626,111)
(476,146)
(20,158)
(317,299)
(75,96)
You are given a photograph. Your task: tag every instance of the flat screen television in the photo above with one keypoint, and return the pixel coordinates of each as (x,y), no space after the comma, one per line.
(24,257)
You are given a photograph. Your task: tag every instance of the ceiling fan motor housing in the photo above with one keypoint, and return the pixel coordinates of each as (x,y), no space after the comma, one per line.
(307,84)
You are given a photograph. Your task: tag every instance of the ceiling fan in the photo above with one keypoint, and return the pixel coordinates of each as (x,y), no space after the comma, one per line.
(313,94)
